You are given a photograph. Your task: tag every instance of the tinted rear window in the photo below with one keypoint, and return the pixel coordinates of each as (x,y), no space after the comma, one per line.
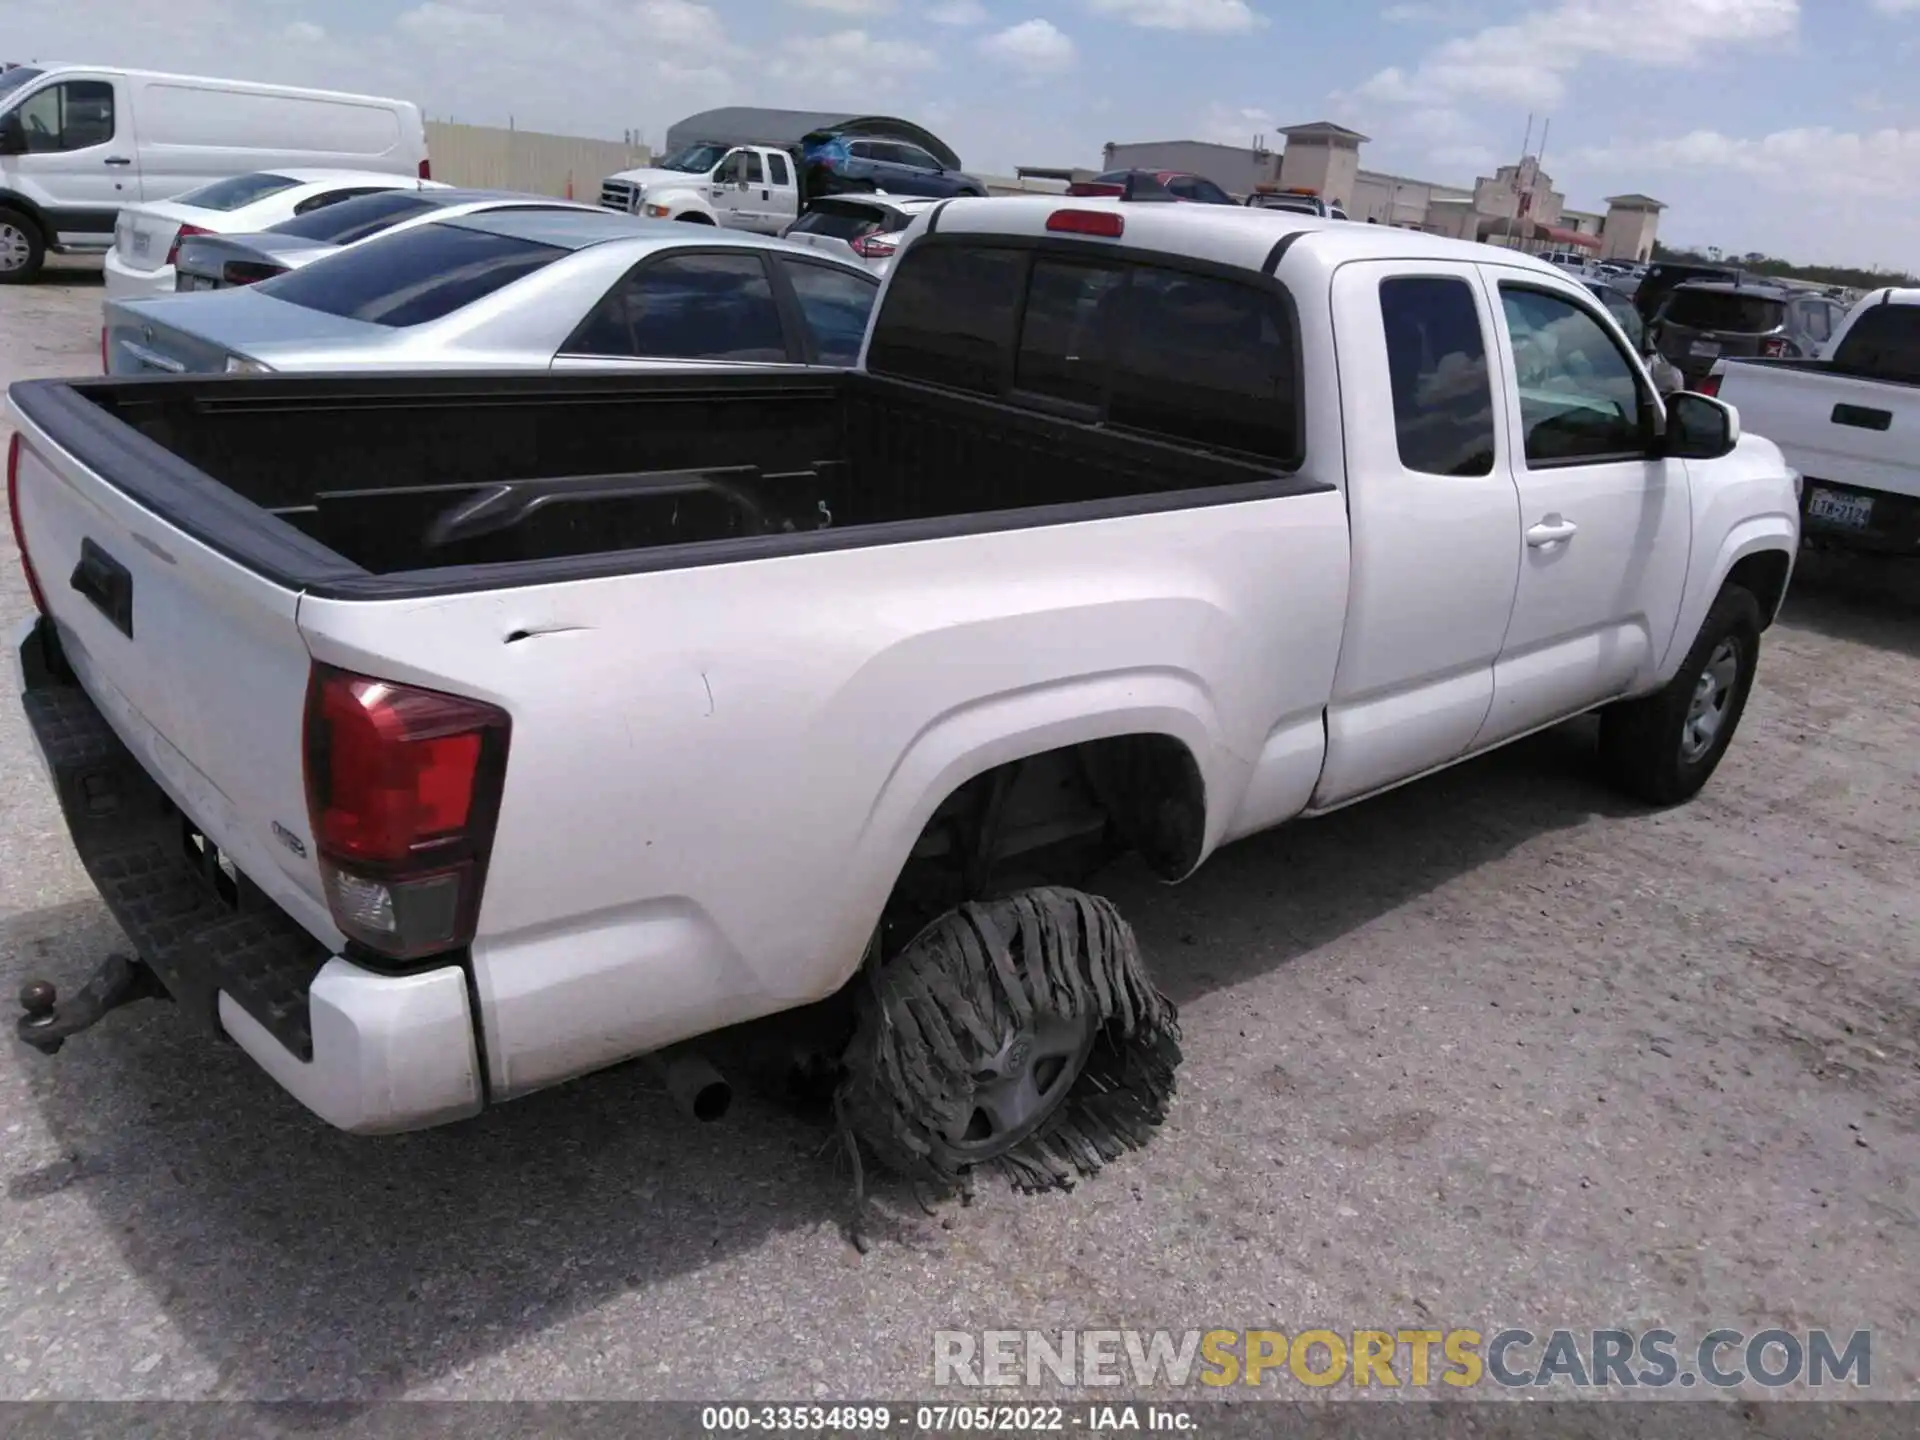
(1884,344)
(1721,310)
(231,194)
(355,219)
(847,222)
(1437,365)
(1179,355)
(414,277)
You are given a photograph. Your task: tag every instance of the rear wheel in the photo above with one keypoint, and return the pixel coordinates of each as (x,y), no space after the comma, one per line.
(1022,1034)
(1664,747)
(22,248)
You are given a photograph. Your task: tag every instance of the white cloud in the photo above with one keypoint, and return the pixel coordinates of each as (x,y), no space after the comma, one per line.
(1877,163)
(1526,64)
(958,12)
(305,32)
(1033,47)
(838,68)
(1431,12)
(864,9)
(1237,125)
(436,21)
(1477,158)
(1205,17)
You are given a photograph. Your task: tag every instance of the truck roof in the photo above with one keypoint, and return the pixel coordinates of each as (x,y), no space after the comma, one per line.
(1229,234)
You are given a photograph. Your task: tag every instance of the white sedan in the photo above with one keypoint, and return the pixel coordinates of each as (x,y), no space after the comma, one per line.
(147,237)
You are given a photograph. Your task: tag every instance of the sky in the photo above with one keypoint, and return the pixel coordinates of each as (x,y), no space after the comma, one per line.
(1766,125)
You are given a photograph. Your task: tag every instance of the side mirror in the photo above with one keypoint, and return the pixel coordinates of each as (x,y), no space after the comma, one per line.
(1700,427)
(13,135)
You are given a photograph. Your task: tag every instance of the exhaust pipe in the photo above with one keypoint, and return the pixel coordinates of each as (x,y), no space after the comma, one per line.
(696,1087)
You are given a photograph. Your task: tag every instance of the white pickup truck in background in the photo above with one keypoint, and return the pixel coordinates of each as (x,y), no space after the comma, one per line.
(1849,423)
(739,187)
(442,737)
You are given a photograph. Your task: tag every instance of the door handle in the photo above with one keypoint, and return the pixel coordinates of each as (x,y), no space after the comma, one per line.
(116,160)
(1551,531)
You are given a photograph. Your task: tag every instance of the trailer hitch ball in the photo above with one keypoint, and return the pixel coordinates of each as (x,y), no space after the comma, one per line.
(38,998)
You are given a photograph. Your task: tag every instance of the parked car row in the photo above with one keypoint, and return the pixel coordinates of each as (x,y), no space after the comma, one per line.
(444,278)
(81,143)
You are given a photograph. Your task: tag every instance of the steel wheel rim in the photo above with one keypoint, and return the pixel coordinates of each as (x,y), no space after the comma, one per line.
(1021,1086)
(1712,699)
(14,248)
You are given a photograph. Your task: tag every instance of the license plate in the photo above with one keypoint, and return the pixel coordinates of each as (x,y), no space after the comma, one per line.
(1704,349)
(1853,511)
(139,243)
(192,282)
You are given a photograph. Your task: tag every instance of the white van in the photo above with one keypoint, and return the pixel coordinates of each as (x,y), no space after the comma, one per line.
(77,142)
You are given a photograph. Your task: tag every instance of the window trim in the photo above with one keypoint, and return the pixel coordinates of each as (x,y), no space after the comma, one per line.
(1006,392)
(793,314)
(795,344)
(59,80)
(1651,413)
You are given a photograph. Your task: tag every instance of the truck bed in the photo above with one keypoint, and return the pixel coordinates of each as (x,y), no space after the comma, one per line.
(1849,434)
(377,487)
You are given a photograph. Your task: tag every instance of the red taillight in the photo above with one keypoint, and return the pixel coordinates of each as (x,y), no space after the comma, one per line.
(426,170)
(1773,347)
(403,787)
(248,272)
(187,232)
(875,247)
(1710,386)
(1104,223)
(19,530)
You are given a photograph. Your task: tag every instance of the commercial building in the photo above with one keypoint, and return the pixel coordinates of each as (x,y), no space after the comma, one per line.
(1516,205)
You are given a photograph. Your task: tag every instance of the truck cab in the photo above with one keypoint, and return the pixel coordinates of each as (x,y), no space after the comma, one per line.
(736,187)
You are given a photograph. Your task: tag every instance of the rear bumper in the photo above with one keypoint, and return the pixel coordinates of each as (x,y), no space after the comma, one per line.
(126,283)
(366,1052)
(1892,524)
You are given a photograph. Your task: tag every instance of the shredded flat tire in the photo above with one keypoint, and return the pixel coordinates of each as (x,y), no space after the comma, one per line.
(947,1008)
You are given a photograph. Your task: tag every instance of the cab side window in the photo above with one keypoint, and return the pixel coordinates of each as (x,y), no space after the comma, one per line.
(778,164)
(1437,362)
(1580,400)
(73,115)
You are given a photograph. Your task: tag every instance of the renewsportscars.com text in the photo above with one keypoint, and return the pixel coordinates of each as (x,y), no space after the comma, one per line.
(1391,1359)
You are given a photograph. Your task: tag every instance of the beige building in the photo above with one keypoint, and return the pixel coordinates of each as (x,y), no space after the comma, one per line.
(1516,205)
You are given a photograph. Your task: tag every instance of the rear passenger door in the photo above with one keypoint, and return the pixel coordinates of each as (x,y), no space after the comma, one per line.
(1434,522)
(687,305)
(830,306)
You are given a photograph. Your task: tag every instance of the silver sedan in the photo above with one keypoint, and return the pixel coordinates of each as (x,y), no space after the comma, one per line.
(215,262)
(524,290)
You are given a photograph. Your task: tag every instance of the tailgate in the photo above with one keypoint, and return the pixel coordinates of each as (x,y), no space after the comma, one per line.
(1859,433)
(193,658)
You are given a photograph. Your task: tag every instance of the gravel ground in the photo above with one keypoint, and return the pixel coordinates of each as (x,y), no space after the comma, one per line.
(1496,1049)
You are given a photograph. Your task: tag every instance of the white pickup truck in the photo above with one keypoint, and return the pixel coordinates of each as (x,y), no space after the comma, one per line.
(1849,423)
(439,738)
(738,187)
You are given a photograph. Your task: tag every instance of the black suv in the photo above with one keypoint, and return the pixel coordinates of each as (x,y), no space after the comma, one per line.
(1661,280)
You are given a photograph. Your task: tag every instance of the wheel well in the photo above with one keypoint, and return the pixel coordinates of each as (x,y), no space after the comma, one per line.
(1764,575)
(27,210)
(1054,818)
(694,217)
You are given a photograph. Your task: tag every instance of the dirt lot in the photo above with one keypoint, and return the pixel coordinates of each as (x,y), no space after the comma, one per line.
(1494,1050)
